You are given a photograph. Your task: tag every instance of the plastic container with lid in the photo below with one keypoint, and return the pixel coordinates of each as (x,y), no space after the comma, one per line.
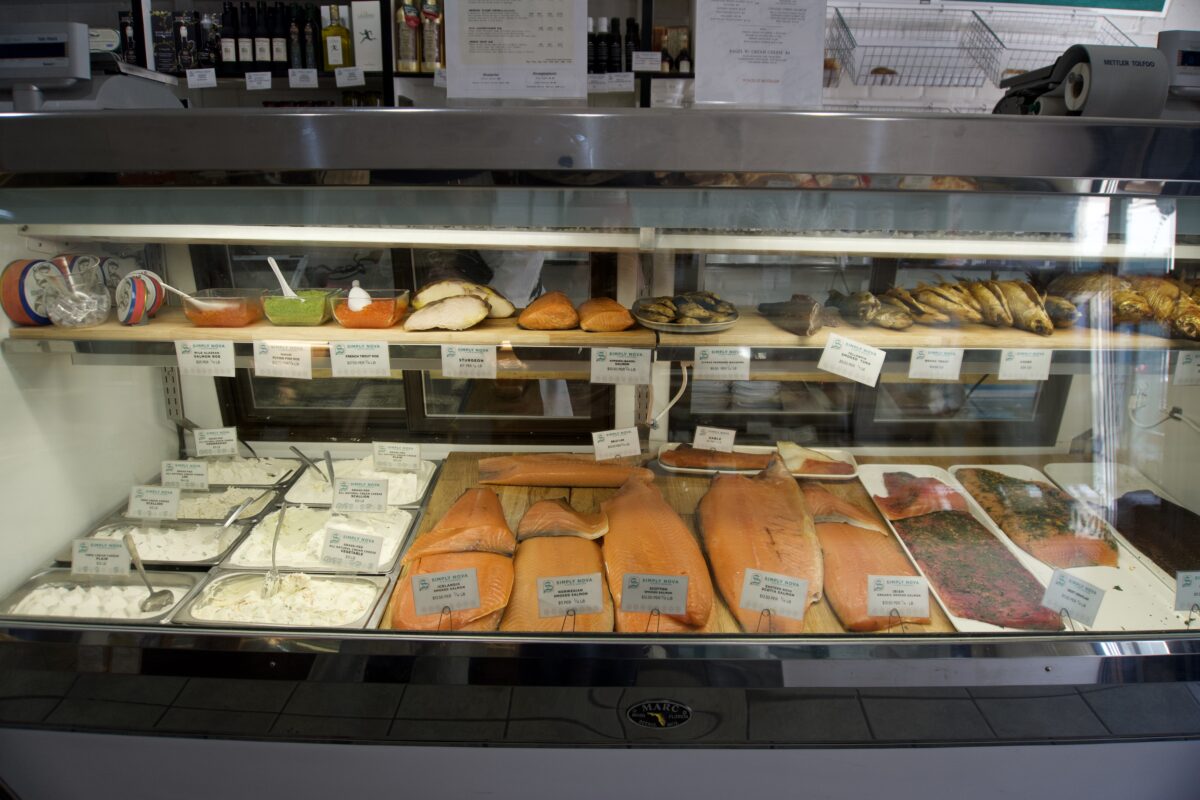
(385,308)
(309,307)
(225,308)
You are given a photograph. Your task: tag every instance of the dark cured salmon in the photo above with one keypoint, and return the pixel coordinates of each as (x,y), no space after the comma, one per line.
(559,469)
(910,496)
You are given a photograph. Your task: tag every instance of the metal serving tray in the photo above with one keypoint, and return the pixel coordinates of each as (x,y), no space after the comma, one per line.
(283,482)
(422,491)
(272,502)
(240,529)
(190,582)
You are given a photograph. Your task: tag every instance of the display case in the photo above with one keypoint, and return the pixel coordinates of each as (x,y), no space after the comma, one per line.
(885,434)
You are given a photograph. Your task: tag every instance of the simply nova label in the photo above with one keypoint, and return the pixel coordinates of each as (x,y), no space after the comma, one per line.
(566,593)
(935,364)
(1187,370)
(99,557)
(774,593)
(907,595)
(185,475)
(360,495)
(721,364)
(442,592)
(1024,365)
(302,79)
(469,361)
(397,456)
(283,360)
(621,366)
(360,360)
(666,594)
(349,76)
(207,359)
(216,442)
(1074,595)
(351,549)
(202,78)
(719,439)
(258,81)
(153,502)
(616,443)
(852,360)
(1187,590)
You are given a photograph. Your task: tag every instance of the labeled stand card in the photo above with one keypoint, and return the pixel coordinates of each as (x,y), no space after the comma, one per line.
(1024,365)
(570,594)
(216,442)
(774,594)
(153,502)
(721,364)
(853,360)
(1187,591)
(620,366)
(469,361)
(360,495)
(350,549)
(283,360)
(616,443)
(904,595)
(192,475)
(206,359)
(360,360)
(445,592)
(1073,597)
(662,594)
(928,363)
(99,557)
(1187,370)
(719,439)
(396,456)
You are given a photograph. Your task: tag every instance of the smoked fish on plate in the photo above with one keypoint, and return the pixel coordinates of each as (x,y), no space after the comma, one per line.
(760,522)
(494,574)
(910,496)
(474,523)
(1168,534)
(555,557)
(1041,519)
(559,469)
(689,457)
(557,518)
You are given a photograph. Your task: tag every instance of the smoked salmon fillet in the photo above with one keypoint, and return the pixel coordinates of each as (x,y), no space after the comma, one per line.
(760,522)
(494,574)
(555,557)
(851,554)
(559,469)
(474,523)
(687,457)
(910,496)
(825,506)
(646,536)
(557,518)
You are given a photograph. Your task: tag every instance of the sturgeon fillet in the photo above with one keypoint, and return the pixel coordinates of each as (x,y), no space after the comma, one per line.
(555,557)
(559,469)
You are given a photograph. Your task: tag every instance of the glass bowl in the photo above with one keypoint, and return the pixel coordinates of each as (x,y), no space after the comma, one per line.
(310,307)
(225,308)
(387,307)
(81,298)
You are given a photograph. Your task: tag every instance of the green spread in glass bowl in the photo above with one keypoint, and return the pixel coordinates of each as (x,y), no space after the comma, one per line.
(310,307)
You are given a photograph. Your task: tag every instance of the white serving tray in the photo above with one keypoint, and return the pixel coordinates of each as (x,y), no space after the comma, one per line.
(840,455)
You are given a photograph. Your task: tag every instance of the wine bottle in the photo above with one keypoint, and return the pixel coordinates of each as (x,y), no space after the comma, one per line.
(602,46)
(591,40)
(279,35)
(185,42)
(295,43)
(408,37)
(245,36)
(683,61)
(668,63)
(312,53)
(433,36)
(262,37)
(614,46)
(335,41)
(129,48)
(631,42)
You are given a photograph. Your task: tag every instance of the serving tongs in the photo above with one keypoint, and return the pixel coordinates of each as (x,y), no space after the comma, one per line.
(158,599)
(271,579)
(310,463)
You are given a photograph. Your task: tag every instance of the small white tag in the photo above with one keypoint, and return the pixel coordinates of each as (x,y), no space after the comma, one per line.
(207,359)
(349,76)
(442,592)
(185,475)
(99,557)
(722,364)
(619,82)
(216,442)
(616,443)
(153,502)
(201,78)
(907,595)
(439,77)
(597,83)
(1187,369)
(302,79)
(719,439)
(283,360)
(1079,598)
(853,360)
(360,360)
(1187,590)
(258,81)
(933,364)
(647,61)
(360,495)
(770,591)
(469,361)
(666,594)
(621,366)
(578,593)
(397,456)
(350,549)
(1024,365)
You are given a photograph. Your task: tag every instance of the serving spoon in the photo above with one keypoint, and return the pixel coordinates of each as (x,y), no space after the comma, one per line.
(158,599)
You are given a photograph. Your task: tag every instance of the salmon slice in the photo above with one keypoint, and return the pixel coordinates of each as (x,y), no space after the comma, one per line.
(559,469)
(812,467)
(910,496)
(851,554)
(825,506)
(760,522)
(646,536)
(557,518)
(688,457)
(494,574)
(474,523)
(555,557)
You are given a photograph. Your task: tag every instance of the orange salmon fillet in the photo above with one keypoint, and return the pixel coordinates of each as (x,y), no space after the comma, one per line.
(851,554)
(554,557)
(557,518)
(475,522)
(494,574)
(558,469)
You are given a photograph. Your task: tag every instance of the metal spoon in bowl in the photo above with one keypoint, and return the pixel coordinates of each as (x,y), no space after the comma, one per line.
(271,579)
(329,465)
(158,599)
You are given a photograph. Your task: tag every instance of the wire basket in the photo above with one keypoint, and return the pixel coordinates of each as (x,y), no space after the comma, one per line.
(832,73)
(915,47)
(1030,39)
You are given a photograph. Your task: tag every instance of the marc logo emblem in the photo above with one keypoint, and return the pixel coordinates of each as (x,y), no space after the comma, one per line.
(659,714)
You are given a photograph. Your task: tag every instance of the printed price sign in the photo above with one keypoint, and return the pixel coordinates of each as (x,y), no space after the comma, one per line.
(616,443)
(439,78)
(778,594)
(99,557)
(185,475)
(852,360)
(207,359)
(619,82)
(360,495)
(597,83)
(1187,590)
(440,592)
(216,442)
(644,61)
(397,456)
(283,360)
(1076,596)
(578,593)
(666,594)
(1024,365)
(1187,370)
(350,549)
(722,364)
(202,78)
(153,502)
(349,76)
(907,595)
(620,366)
(719,439)
(469,361)
(360,360)
(302,79)
(933,364)
(258,81)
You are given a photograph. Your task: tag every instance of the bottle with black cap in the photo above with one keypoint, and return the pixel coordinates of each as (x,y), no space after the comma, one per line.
(279,35)
(602,46)
(262,37)
(631,42)
(295,42)
(245,36)
(615,62)
(591,40)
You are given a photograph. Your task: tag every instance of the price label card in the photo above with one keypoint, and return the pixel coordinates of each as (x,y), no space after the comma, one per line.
(360,359)
(153,502)
(283,360)
(666,594)
(397,456)
(360,495)
(258,81)
(1076,596)
(216,442)
(616,443)
(349,76)
(1187,590)
(1187,370)
(202,78)
(99,557)
(185,475)
(722,364)
(208,359)
(907,595)
(934,364)
(853,360)
(1024,365)
(597,83)
(644,61)
(720,439)
(442,592)
(350,549)
(302,79)
(469,361)
(778,594)
(578,593)
(439,78)
(621,366)
(619,82)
